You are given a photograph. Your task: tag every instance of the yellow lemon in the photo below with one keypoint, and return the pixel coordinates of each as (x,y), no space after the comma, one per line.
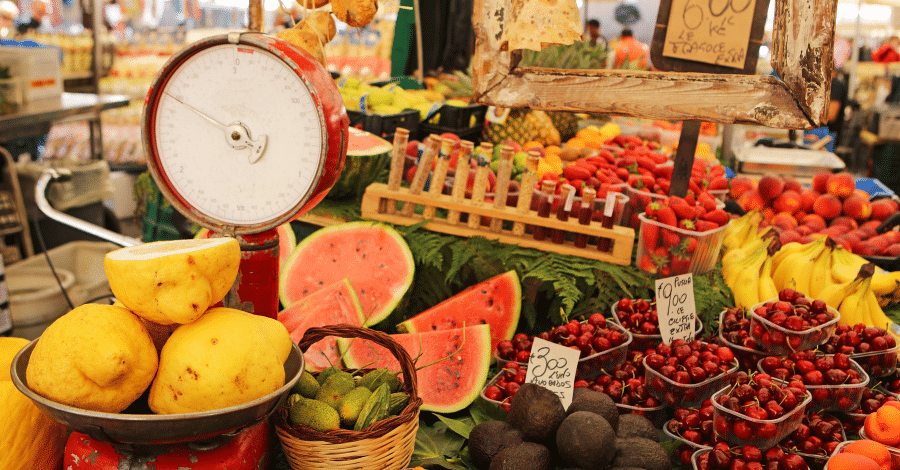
(9,347)
(96,357)
(173,281)
(225,358)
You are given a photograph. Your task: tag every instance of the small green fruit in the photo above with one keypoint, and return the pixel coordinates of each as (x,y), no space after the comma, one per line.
(315,414)
(351,404)
(335,387)
(307,386)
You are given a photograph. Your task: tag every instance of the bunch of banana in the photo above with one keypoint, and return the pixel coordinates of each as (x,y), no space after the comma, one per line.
(741,230)
(734,259)
(751,281)
(885,284)
(855,300)
(804,268)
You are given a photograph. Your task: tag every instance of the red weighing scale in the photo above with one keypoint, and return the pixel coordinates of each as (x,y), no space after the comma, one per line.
(243,132)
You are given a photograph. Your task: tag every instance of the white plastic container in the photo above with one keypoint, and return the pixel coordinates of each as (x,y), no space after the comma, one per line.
(84,259)
(36,298)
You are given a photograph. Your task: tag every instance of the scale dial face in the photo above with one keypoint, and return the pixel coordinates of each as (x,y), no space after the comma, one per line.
(237,136)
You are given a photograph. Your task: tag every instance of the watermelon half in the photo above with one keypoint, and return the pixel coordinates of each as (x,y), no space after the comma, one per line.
(446,386)
(367,155)
(496,302)
(373,257)
(333,304)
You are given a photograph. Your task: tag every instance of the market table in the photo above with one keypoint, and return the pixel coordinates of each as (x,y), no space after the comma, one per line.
(36,117)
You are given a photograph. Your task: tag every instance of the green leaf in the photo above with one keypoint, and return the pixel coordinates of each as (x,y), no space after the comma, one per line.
(482,410)
(462,427)
(436,445)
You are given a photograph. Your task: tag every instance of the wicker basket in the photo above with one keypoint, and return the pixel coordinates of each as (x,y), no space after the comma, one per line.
(386,444)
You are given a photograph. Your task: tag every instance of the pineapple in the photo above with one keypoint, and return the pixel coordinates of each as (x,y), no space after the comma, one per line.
(517,128)
(566,123)
(547,133)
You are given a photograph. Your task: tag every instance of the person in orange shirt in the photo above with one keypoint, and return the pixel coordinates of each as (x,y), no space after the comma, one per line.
(629,53)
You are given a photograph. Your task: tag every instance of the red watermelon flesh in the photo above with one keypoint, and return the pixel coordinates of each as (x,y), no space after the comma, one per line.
(334,304)
(373,257)
(446,386)
(496,302)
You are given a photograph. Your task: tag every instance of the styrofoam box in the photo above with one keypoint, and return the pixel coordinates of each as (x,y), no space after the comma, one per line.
(38,69)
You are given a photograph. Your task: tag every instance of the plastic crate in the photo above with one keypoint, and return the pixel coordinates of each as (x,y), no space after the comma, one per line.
(704,258)
(783,425)
(827,397)
(684,395)
(456,120)
(641,342)
(385,126)
(809,338)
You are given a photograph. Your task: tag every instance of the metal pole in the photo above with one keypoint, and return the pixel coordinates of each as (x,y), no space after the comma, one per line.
(255,13)
(420,56)
(854,57)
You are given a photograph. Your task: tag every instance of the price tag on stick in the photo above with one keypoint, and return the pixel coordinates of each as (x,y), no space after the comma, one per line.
(553,366)
(675,307)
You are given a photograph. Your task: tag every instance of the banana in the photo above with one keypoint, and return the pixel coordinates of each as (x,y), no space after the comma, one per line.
(850,310)
(794,271)
(746,283)
(835,294)
(820,275)
(767,289)
(845,257)
(885,283)
(739,230)
(876,314)
(733,259)
(786,250)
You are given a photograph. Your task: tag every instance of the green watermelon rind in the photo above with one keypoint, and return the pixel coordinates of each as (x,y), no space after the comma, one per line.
(464,399)
(374,317)
(344,285)
(285,232)
(510,277)
(361,167)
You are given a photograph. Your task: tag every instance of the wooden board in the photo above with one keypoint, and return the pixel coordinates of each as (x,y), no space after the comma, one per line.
(802,52)
(622,237)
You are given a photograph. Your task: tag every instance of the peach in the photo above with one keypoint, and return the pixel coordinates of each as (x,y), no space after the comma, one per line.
(820,182)
(791,184)
(768,213)
(883,208)
(857,207)
(828,206)
(805,230)
(784,221)
(807,199)
(770,186)
(751,200)
(815,221)
(871,449)
(850,461)
(863,194)
(846,222)
(808,238)
(841,185)
(788,236)
(893,251)
(845,243)
(740,185)
(883,426)
(867,248)
(789,201)
(873,224)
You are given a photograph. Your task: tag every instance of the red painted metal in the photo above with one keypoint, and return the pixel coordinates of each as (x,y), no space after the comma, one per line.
(257,290)
(251,449)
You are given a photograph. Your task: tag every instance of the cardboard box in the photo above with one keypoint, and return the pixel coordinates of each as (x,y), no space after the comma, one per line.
(37,69)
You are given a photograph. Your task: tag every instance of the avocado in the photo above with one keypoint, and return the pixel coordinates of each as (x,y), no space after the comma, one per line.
(315,414)
(536,411)
(307,385)
(586,440)
(335,387)
(641,452)
(487,439)
(350,405)
(525,456)
(632,425)
(596,402)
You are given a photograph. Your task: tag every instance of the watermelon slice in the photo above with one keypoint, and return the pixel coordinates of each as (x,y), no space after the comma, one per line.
(496,302)
(333,304)
(446,386)
(374,257)
(367,154)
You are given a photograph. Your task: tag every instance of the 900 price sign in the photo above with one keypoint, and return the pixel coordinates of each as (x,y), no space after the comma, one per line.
(675,307)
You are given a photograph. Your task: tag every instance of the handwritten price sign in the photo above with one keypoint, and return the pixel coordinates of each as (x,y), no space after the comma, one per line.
(675,307)
(710,31)
(553,366)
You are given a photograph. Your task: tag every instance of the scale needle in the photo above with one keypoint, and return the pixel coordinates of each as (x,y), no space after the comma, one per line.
(237,135)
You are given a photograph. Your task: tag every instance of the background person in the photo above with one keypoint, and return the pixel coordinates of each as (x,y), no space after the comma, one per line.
(593,36)
(40,9)
(629,53)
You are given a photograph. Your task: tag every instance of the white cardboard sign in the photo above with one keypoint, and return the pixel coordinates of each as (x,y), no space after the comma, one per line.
(675,307)
(553,366)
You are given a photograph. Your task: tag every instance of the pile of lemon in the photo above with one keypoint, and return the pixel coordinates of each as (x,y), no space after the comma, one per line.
(162,334)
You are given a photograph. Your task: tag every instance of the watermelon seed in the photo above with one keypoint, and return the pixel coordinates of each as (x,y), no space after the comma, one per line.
(434,327)
(483,321)
(490,302)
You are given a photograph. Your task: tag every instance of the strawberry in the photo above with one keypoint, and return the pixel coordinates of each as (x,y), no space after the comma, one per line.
(718,183)
(693,187)
(690,200)
(681,264)
(663,171)
(650,210)
(687,224)
(646,264)
(707,201)
(670,238)
(705,225)
(689,245)
(665,215)
(661,256)
(718,216)
(650,235)
(684,211)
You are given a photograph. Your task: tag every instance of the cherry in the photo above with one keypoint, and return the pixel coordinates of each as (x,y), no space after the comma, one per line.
(493,393)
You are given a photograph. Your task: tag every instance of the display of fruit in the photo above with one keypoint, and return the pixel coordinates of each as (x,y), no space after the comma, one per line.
(792,322)
(883,425)
(758,410)
(695,427)
(506,384)
(734,332)
(539,434)
(815,439)
(730,457)
(836,382)
(687,373)
(873,348)
(626,385)
(748,271)
(388,99)
(639,316)
(872,399)
(863,454)
(337,399)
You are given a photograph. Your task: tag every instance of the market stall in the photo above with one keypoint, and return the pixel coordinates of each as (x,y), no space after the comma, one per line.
(502,270)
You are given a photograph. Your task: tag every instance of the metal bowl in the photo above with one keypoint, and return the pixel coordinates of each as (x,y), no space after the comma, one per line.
(137,425)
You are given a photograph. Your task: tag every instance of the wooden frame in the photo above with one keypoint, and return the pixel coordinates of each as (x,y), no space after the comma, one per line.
(802,55)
